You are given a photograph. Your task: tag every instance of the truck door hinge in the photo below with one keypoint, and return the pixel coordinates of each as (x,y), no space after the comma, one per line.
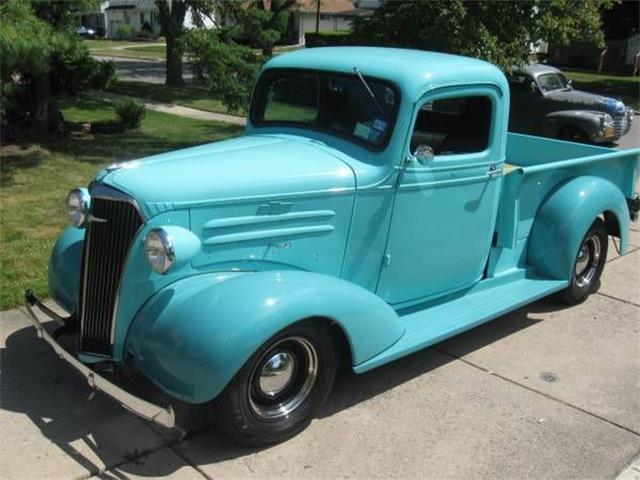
(386,260)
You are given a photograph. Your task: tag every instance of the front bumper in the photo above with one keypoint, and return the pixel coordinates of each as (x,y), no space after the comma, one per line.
(154,413)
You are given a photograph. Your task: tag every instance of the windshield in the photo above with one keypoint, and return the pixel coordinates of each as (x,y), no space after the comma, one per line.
(338,103)
(552,81)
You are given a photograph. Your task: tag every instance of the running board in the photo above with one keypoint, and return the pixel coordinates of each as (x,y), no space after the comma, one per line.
(434,324)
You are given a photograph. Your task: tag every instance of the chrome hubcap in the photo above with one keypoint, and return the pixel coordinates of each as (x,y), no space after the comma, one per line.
(283,378)
(276,373)
(587,261)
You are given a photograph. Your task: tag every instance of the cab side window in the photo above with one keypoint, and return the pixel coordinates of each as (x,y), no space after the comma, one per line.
(451,126)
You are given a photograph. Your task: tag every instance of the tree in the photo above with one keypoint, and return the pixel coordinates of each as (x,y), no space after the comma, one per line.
(228,69)
(500,32)
(171,16)
(40,61)
(257,23)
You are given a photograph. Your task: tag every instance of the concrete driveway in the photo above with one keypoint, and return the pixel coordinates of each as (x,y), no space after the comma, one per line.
(545,392)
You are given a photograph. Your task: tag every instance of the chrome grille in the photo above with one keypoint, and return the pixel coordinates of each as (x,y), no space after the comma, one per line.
(621,125)
(113,227)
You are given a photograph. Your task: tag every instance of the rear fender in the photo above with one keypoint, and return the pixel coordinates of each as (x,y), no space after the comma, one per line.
(564,218)
(194,335)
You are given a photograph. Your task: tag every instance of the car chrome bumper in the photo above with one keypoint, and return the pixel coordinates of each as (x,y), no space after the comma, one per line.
(154,413)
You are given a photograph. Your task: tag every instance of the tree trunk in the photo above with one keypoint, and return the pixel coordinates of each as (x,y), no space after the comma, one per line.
(41,115)
(318,16)
(171,19)
(175,50)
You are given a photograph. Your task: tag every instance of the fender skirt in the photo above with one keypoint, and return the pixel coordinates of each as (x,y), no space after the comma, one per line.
(193,336)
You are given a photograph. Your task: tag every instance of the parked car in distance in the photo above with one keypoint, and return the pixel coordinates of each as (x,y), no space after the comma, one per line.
(86,32)
(375,205)
(543,102)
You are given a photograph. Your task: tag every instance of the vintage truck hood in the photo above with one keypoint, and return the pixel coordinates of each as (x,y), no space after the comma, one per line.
(239,168)
(589,101)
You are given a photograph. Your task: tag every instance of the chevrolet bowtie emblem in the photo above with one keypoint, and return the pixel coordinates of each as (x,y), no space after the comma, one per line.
(91,218)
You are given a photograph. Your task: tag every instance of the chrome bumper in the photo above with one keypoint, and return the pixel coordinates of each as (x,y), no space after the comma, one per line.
(154,413)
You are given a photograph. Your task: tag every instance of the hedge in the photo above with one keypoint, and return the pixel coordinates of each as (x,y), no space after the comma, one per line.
(324,39)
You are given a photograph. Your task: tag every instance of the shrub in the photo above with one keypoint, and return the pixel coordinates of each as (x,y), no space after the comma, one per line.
(39,63)
(125,32)
(324,39)
(228,69)
(130,112)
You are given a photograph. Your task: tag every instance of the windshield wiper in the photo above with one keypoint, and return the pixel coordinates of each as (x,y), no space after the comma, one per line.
(371,94)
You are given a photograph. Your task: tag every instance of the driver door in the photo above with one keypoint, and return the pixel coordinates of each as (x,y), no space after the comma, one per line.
(445,207)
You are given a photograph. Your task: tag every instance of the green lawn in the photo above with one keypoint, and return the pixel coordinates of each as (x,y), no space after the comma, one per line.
(627,88)
(127,49)
(187,96)
(159,50)
(36,177)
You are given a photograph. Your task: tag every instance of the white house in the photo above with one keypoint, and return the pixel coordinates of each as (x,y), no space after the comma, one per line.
(335,16)
(138,14)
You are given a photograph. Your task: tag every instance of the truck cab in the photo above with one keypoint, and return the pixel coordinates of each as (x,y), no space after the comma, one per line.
(376,202)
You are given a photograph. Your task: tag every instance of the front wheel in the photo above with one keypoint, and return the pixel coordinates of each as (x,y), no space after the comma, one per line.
(588,265)
(278,390)
(572,133)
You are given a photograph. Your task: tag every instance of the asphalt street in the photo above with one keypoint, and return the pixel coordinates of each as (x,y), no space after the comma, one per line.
(150,71)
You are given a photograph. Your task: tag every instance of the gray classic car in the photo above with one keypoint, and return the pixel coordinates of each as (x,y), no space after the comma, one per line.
(543,102)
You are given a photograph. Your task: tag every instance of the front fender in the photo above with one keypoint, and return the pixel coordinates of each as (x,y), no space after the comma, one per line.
(587,120)
(193,336)
(65,265)
(564,218)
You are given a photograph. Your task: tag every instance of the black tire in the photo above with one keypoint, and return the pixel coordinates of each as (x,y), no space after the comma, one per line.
(588,265)
(572,133)
(255,414)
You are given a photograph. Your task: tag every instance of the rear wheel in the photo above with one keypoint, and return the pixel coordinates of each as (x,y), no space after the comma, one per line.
(588,265)
(278,390)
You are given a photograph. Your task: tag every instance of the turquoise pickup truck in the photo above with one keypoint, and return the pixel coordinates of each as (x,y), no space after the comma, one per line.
(375,205)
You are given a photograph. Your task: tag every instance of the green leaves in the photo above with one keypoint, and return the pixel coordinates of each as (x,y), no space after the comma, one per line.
(42,59)
(500,32)
(228,69)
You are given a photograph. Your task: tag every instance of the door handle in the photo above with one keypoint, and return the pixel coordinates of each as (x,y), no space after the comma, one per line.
(493,171)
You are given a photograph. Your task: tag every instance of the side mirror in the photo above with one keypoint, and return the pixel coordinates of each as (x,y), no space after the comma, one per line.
(533,87)
(424,154)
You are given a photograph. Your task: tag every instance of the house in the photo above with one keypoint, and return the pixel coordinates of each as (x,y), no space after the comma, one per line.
(335,16)
(138,14)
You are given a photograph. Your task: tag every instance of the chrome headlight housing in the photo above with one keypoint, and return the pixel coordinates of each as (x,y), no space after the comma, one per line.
(160,250)
(78,203)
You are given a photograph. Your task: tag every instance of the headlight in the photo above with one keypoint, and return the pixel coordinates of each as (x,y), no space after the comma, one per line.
(78,202)
(607,120)
(160,251)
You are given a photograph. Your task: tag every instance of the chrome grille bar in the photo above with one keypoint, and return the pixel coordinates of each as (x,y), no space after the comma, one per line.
(115,223)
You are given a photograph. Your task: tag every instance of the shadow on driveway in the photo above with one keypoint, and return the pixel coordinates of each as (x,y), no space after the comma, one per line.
(36,383)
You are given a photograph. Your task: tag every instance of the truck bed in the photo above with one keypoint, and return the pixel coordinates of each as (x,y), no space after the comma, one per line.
(536,165)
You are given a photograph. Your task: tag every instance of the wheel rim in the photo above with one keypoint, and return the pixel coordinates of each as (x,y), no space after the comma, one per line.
(283,378)
(587,261)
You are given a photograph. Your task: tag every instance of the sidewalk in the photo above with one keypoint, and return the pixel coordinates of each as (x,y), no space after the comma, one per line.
(172,109)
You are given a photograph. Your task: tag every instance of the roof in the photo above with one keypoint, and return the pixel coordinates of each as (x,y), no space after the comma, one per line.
(414,71)
(326,6)
(535,69)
